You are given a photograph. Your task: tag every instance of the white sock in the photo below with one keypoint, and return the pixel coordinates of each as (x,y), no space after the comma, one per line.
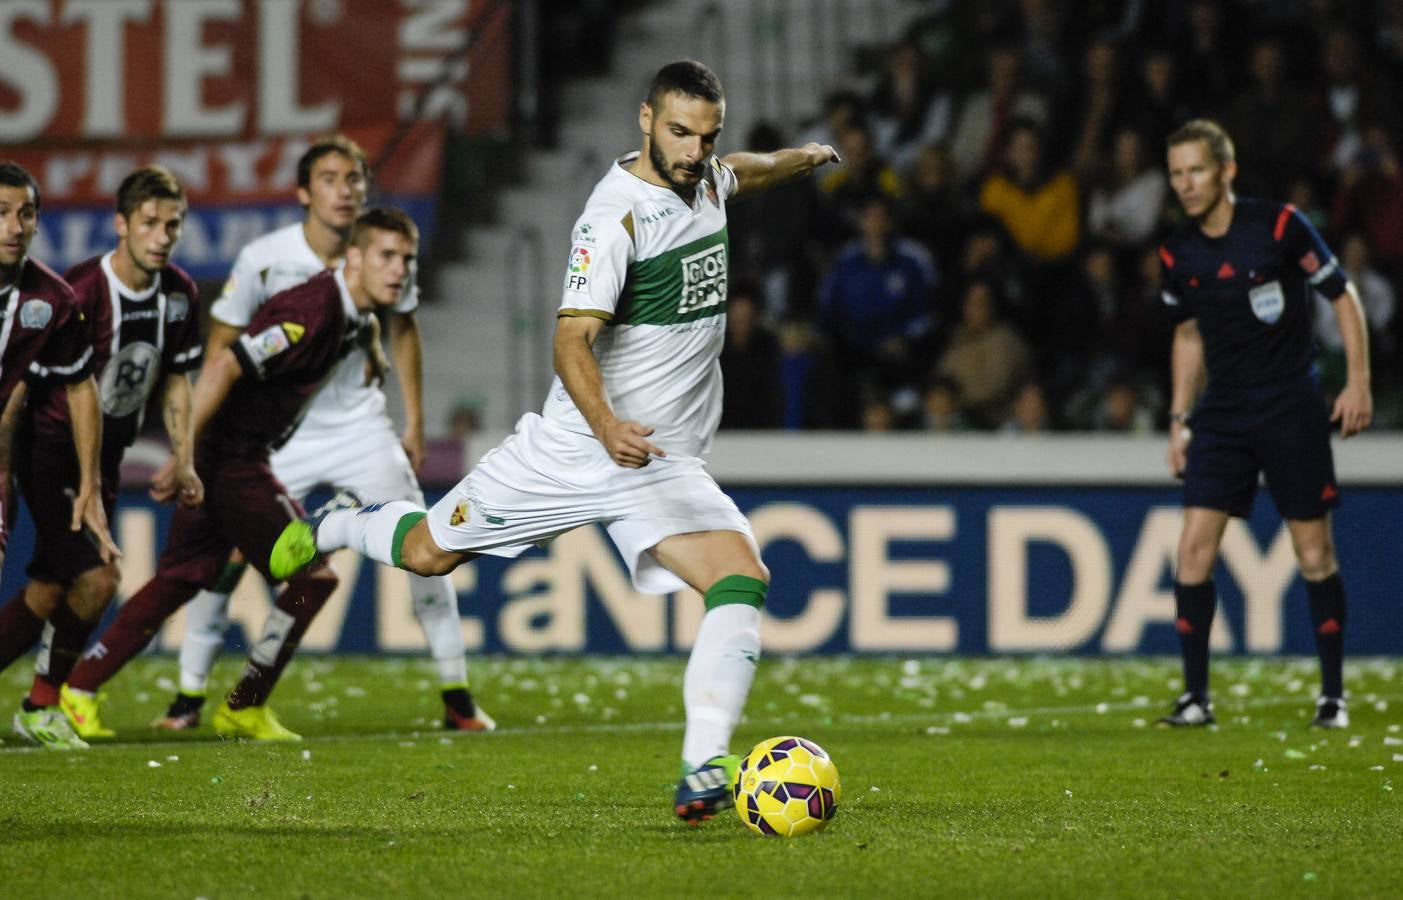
(206,620)
(436,608)
(719,673)
(369,530)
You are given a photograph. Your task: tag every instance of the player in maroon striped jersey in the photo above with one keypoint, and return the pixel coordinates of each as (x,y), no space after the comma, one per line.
(247,402)
(42,331)
(143,323)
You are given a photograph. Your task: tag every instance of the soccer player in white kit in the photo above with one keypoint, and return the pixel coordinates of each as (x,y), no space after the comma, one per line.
(635,402)
(345,439)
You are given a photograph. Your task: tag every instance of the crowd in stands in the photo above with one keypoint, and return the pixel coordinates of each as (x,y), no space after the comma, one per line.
(986,259)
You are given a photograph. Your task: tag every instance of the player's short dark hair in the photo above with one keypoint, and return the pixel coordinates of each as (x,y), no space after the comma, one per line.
(12,174)
(688,78)
(1220,146)
(382,218)
(324,146)
(147,183)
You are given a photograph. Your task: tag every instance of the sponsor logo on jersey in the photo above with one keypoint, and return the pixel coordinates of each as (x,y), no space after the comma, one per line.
(657,215)
(580,260)
(703,279)
(128,378)
(178,307)
(35,313)
(584,234)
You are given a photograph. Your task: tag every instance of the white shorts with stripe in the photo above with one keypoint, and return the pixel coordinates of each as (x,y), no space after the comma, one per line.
(543,481)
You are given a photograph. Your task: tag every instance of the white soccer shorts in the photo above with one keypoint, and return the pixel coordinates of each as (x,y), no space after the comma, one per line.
(363,456)
(542,481)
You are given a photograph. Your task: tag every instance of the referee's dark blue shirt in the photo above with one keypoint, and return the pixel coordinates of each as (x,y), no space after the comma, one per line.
(1250,291)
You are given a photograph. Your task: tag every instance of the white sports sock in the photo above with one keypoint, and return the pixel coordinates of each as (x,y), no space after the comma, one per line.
(369,530)
(436,608)
(719,673)
(206,620)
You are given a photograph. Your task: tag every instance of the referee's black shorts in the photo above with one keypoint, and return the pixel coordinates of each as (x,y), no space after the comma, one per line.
(1279,430)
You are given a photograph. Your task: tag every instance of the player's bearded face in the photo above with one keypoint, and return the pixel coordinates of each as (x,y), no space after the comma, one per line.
(151,232)
(335,192)
(682,135)
(19,219)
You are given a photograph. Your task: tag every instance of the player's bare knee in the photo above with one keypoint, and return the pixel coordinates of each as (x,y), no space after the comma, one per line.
(94,589)
(1316,559)
(43,598)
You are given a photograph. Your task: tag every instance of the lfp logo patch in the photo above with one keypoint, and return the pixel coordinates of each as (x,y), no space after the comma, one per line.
(576,279)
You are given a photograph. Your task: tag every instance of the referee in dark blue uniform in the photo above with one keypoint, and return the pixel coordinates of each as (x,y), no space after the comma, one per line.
(1238,280)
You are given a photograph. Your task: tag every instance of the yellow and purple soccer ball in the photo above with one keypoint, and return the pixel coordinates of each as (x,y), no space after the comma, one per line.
(787,786)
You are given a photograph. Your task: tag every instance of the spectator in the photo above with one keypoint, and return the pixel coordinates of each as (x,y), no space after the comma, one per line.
(1377,296)
(940,406)
(875,304)
(1160,108)
(842,110)
(1352,95)
(986,359)
(1370,197)
(1039,210)
(987,116)
(935,211)
(753,392)
(1029,414)
(908,112)
(861,175)
(1122,409)
(1268,124)
(774,237)
(1203,58)
(1126,204)
(808,376)
(878,415)
(1099,103)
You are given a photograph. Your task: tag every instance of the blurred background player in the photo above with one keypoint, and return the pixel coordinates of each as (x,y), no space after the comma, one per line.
(43,333)
(143,321)
(247,402)
(649,262)
(345,438)
(1238,280)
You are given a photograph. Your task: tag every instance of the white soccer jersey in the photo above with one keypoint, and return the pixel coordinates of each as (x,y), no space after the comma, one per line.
(275,262)
(662,292)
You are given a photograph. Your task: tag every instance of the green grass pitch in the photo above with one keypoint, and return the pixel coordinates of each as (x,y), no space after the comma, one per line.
(961,777)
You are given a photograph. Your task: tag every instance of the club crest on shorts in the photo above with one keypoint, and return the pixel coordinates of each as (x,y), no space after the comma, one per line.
(460,514)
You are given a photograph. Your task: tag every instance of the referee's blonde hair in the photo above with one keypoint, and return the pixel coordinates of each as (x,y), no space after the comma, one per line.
(1220,146)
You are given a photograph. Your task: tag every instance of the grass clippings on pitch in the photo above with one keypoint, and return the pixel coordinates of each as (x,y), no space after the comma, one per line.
(984,777)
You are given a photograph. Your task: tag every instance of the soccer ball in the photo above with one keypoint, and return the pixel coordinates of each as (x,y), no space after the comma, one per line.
(787,786)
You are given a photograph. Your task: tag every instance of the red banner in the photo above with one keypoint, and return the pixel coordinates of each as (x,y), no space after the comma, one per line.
(228,93)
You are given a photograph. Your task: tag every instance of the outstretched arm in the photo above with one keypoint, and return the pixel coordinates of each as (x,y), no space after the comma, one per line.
(1354,408)
(409,368)
(626,441)
(762,171)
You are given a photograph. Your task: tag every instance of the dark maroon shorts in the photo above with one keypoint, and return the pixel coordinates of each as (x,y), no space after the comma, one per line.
(245,506)
(48,478)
